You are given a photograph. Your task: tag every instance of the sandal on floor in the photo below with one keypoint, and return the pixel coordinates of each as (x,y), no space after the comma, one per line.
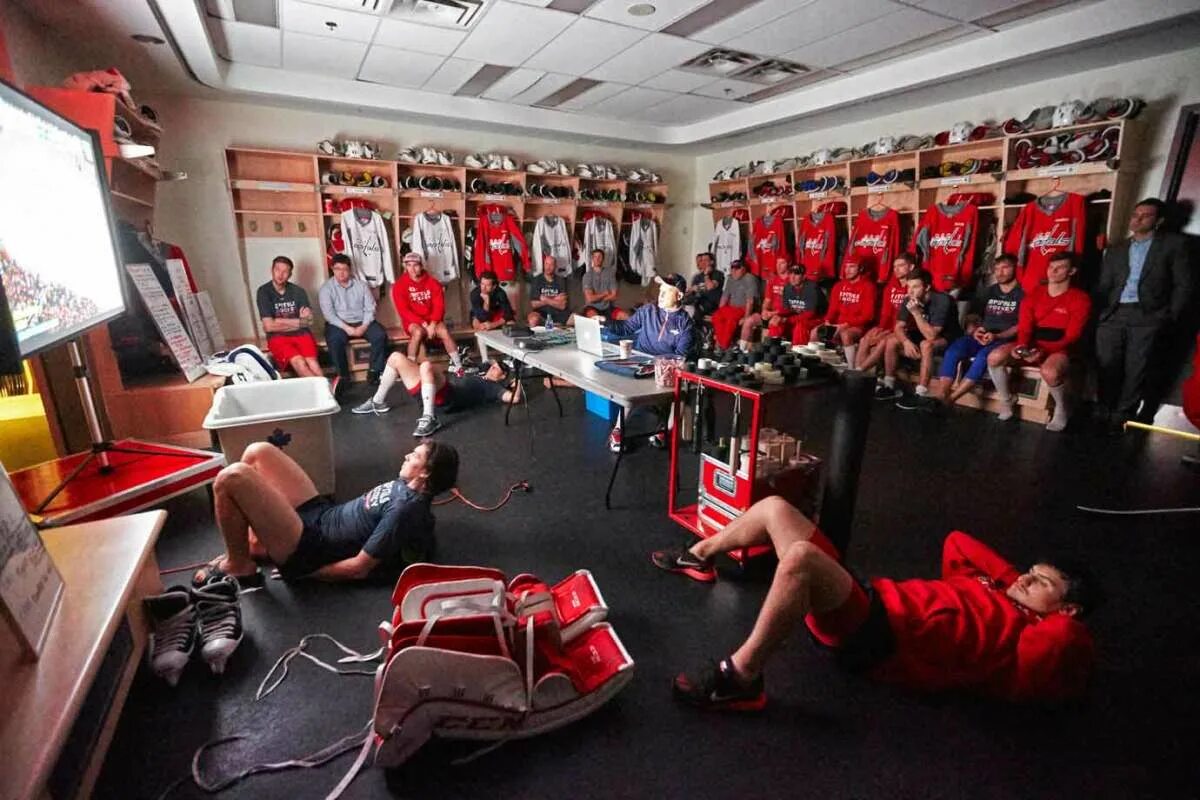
(211,572)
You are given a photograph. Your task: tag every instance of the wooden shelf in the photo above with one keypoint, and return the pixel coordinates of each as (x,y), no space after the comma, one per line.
(833,194)
(990,178)
(1061,171)
(887,188)
(273,186)
(131,199)
(269,213)
(427,194)
(351,191)
(149,169)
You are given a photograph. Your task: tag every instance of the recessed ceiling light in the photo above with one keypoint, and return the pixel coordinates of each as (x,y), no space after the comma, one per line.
(641,10)
(146,38)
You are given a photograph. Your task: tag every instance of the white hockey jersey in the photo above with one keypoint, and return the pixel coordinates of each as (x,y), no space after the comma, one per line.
(726,243)
(433,239)
(550,238)
(367,245)
(598,235)
(643,248)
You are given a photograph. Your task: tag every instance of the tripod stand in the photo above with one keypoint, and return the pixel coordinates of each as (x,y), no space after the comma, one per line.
(101,447)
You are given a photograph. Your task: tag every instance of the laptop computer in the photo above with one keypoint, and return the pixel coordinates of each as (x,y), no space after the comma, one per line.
(589,340)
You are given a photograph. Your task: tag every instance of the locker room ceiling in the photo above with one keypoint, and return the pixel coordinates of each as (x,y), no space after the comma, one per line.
(661,73)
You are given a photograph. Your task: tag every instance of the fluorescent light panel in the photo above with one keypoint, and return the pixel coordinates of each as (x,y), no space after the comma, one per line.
(705,16)
(481,80)
(571,90)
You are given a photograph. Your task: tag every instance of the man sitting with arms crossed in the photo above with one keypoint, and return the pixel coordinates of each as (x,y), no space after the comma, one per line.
(704,296)
(287,318)
(982,627)
(871,347)
(738,301)
(548,296)
(430,382)
(600,290)
(490,307)
(799,310)
(662,329)
(421,303)
(999,326)
(1050,322)
(266,504)
(926,321)
(851,309)
(349,310)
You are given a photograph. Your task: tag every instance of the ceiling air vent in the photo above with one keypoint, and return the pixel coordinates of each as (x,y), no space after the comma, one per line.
(770,72)
(720,63)
(460,14)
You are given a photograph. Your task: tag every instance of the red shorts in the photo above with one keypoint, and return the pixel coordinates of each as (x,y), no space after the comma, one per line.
(439,399)
(284,348)
(407,321)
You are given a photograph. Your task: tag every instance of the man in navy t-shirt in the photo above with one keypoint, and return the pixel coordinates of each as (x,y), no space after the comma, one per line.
(308,535)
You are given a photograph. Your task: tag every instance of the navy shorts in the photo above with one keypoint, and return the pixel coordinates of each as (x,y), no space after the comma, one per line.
(310,553)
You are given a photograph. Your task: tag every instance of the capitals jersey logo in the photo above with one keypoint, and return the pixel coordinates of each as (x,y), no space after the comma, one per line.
(439,246)
(499,244)
(1051,241)
(815,244)
(947,242)
(766,244)
(875,242)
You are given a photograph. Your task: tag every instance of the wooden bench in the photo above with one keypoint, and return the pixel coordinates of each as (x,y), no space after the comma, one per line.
(358,350)
(1030,391)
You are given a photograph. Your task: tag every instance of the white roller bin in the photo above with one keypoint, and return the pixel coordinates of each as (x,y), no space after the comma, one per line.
(293,414)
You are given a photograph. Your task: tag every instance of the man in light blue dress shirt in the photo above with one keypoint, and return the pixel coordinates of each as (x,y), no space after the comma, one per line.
(349,310)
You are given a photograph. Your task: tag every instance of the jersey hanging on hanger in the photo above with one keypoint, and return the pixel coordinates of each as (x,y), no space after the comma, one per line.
(498,242)
(946,238)
(550,239)
(433,240)
(367,243)
(875,242)
(643,248)
(1045,226)
(726,243)
(818,245)
(768,242)
(598,235)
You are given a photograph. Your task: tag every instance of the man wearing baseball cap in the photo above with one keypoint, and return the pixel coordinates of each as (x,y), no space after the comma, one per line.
(421,303)
(662,329)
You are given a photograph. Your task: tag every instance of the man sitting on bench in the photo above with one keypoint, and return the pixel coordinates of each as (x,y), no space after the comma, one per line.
(490,306)
(266,505)
(421,303)
(430,382)
(349,310)
(981,627)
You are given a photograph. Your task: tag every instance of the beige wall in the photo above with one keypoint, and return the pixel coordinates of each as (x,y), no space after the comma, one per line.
(196,214)
(1165,82)
(38,56)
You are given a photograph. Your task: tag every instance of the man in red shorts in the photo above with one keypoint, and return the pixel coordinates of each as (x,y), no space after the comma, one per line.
(871,348)
(851,309)
(421,303)
(287,318)
(981,627)
(771,305)
(1049,325)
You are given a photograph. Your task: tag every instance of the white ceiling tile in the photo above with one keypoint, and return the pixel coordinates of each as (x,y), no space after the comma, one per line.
(323,21)
(421,38)
(676,80)
(510,33)
(585,45)
(512,84)
(812,23)
(666,12)
(656,53)
(728,89)
(539,3)
(333,58)
(451,75)
(397,67)
(596,94)
(685,109)
(633,100)
(747,20)
(880,34)
(542,88)
(246,43)
(968,10)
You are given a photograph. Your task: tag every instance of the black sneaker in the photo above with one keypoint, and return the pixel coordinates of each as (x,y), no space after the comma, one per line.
(912,402)
(220,621)
(173,616)
(883,392)
(682,561)
(718,688)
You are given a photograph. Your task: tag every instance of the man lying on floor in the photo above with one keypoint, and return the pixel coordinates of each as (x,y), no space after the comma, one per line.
(982,627)
(266,505)
(437,390)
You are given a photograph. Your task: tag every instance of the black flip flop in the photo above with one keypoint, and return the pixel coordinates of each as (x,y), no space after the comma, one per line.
(213,572)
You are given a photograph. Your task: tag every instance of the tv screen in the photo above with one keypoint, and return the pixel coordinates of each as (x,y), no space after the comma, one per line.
(59,263)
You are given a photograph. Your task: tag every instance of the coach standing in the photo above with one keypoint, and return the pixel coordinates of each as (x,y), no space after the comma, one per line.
(1145,284)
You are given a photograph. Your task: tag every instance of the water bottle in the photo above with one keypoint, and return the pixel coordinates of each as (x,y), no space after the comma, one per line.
(549,322)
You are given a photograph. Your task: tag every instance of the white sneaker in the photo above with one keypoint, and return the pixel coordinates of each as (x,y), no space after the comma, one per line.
(1057,423)
(1005,412)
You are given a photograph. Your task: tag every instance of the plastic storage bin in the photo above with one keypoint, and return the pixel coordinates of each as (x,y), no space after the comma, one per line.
(293,414)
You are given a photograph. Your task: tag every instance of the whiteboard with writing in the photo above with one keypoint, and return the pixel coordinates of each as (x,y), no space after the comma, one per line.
(30,586)
(167,321)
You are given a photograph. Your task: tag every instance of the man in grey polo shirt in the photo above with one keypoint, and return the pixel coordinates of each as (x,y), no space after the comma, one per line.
(738,300)
(349,310)
(600,290)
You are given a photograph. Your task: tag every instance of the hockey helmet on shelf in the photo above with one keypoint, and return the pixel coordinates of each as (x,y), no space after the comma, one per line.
(1068,113)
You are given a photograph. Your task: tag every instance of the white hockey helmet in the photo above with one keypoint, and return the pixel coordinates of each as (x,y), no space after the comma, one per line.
(884,145)
(1067,113)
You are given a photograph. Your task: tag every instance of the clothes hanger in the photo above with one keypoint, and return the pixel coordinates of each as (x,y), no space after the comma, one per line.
(1055,191)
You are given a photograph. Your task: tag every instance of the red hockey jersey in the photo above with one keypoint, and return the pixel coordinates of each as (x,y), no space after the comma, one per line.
(1045,226)
(497,242)
(875,242)
(946,238)
(1052,324)
(852,303)
(768,242)
(818,245)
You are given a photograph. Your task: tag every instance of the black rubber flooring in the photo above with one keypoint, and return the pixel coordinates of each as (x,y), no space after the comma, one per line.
(824,734)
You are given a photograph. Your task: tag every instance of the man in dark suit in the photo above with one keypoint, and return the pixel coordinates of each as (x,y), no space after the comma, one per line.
(1145,283)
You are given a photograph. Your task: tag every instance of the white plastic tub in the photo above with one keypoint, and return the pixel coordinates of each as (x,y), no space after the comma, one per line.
(292,414)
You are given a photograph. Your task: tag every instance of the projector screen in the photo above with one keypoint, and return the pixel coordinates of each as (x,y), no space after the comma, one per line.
(59,262)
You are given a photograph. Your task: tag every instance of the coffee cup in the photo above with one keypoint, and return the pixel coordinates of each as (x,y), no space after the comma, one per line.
(626,347)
